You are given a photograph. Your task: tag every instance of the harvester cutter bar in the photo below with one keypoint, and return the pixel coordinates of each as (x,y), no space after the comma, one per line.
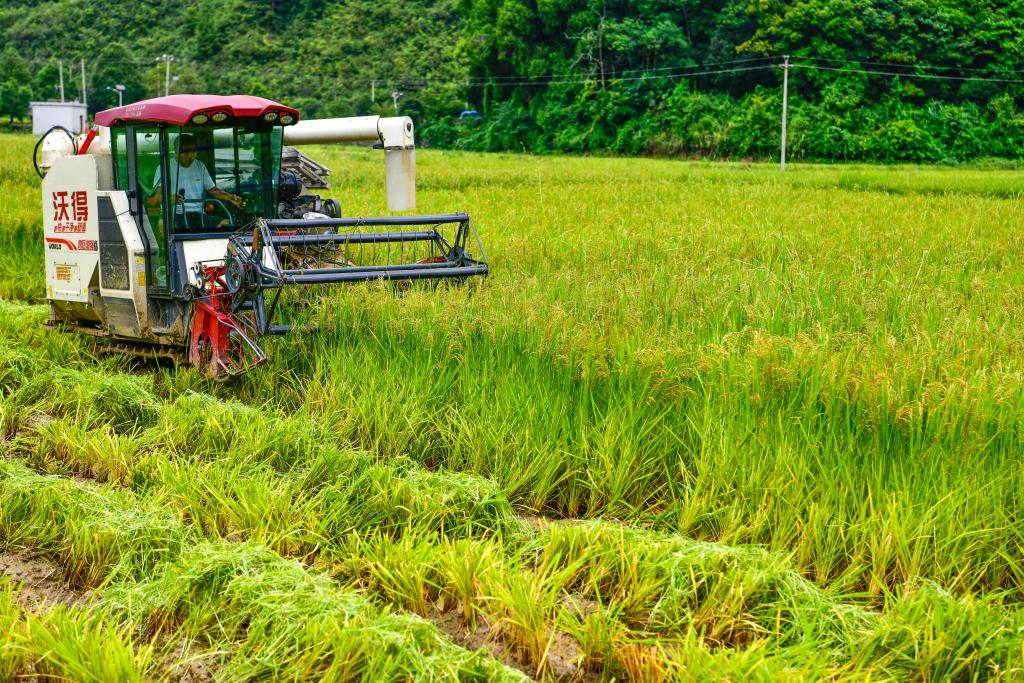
(258,250)
(272,254)
(232,307)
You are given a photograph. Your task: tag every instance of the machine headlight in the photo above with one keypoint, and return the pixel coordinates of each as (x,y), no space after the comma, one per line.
(200,119)
(270,116)
(219,116)
(287,118)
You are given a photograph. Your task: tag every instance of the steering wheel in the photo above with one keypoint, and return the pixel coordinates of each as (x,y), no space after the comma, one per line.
(248,210)
(210,203)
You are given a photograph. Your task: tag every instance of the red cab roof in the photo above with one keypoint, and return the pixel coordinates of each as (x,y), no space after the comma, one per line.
(178,110)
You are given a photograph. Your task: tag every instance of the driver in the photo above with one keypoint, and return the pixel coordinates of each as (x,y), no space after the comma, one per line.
(194,182)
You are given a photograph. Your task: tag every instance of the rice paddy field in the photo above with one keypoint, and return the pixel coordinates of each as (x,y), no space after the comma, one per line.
(702,422)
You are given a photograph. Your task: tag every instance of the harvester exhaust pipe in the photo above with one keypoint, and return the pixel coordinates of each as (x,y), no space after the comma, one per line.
(394,134)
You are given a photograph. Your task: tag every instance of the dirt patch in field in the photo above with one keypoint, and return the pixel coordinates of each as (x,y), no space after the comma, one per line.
(38,421)
(42,581)
(562,655)
(537,523)
(187,662)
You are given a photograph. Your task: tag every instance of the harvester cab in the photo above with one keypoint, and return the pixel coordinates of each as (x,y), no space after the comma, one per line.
(173,227)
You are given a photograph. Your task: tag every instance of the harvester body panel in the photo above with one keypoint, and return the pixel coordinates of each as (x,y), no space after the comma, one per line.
(71,229)
(95,254)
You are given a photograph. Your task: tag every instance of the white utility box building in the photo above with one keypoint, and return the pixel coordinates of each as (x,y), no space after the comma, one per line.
(71,115)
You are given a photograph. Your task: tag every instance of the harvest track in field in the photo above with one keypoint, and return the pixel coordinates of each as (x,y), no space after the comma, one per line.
(701,421)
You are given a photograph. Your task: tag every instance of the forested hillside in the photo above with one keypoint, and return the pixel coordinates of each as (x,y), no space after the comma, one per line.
(882,80)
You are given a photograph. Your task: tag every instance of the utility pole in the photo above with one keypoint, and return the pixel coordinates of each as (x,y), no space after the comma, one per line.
(373,91)
(60,64)
(167,59)
(785,106)
(85,94)
(394,98)
(119,89)
(600,43)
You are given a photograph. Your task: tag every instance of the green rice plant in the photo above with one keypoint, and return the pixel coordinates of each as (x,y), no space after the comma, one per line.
(67,445)
(23,328)
(398,499)
(291,512)
(403,572)
(277,619)
(12,658)
(647,663)
(239,500)
(62,643)
(12,417)
(465,569)
(125,402)
(274,612)
(691,658)
(68,645)
(699,304)
(97,534)
(599,631)
(524,607)
(331,465)
(16,366)
(457,503)
(22,324)
(800,393)
(928,634)
(201,426)
(667,584)
(19,280)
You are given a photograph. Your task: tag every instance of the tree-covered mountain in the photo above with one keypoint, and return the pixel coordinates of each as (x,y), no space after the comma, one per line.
(874,79)
(320,56)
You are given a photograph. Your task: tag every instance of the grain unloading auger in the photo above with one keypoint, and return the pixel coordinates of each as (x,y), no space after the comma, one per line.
(173,227)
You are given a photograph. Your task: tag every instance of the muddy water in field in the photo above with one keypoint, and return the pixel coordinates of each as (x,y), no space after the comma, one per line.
(562,654)
(42,581)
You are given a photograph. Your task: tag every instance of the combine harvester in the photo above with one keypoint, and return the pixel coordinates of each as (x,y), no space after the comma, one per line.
(174,225)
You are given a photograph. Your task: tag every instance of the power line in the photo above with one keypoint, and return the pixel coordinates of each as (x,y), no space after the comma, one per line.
(687,72)
(749,64)
(929,67)
(611,74)
(579,81)
(684,70)
(940,77)
(622,74)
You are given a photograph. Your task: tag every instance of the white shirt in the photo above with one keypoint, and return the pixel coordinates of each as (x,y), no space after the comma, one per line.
(194,179)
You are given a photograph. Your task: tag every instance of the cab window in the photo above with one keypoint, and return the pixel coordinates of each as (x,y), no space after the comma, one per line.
(147,162)
(236,159)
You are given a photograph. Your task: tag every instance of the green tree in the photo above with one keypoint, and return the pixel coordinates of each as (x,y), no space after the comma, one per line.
(15,92)
(114,66)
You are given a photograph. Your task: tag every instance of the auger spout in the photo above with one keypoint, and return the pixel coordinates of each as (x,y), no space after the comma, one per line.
(395,134)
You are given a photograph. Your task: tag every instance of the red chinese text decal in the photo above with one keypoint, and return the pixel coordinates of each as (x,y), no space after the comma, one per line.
(70,213)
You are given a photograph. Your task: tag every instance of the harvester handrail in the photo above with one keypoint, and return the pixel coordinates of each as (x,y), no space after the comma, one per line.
(344,237)
(368,221)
